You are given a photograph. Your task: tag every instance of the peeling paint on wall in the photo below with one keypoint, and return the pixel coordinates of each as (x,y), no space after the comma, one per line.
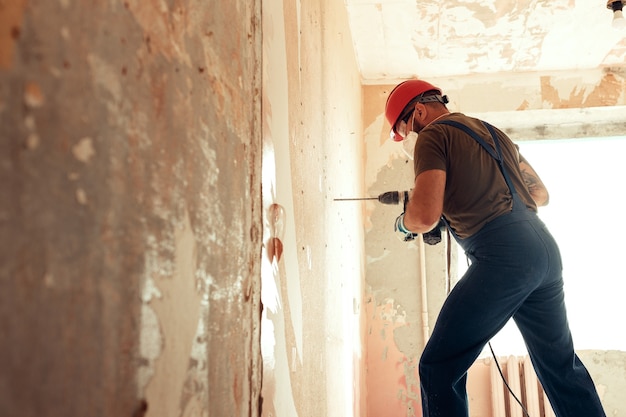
(429,39)
(150,341)
(172,324)
(84,150)
(393,387)
(131,217)
(608,91)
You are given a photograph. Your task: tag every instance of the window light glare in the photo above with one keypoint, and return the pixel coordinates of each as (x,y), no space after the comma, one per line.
(618,20)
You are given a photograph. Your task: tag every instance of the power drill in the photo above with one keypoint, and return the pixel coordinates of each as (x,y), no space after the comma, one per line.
(396,197)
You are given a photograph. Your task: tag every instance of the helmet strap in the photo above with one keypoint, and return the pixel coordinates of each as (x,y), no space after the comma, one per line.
(433,98)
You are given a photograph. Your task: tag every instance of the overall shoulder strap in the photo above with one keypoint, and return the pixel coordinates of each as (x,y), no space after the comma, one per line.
(496,154)
(476,137)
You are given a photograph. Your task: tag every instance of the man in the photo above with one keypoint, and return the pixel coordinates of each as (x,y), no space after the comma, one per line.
(471,175)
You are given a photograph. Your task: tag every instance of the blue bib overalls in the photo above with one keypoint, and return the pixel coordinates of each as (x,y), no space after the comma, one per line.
(515,272)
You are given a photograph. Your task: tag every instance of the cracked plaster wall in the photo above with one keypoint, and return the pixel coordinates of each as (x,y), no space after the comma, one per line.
(130,209)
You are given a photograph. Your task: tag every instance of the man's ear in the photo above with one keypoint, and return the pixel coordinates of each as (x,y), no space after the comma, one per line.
(420,111)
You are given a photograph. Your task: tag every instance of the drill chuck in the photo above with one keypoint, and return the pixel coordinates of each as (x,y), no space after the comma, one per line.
(394,197)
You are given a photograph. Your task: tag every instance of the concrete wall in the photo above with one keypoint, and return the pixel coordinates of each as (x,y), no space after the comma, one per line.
(130,208)
(528,107)
(312,350)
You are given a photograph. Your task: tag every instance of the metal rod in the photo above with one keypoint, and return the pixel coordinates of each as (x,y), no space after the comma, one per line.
(355,199)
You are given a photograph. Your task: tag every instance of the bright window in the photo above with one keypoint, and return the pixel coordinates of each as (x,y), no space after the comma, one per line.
(585,178)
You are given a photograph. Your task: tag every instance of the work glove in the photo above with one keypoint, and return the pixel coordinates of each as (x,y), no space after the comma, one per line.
(430,238)
(406,234)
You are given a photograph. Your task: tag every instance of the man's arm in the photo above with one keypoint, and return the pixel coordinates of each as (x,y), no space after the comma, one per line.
(535,186)
(425,205)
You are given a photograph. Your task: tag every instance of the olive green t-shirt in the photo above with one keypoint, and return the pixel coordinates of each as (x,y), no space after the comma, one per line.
(476,191)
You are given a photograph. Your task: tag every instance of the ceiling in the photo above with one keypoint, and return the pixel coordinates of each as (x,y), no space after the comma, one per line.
(400,39)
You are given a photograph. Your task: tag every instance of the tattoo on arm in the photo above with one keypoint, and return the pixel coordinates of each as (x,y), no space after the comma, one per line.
(535,186)
(531,181)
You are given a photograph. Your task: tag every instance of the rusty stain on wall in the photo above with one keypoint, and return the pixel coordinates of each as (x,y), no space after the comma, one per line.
(33,96)
(165,29)
(11,20)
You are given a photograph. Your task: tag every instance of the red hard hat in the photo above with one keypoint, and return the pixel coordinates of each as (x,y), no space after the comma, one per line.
(400,96)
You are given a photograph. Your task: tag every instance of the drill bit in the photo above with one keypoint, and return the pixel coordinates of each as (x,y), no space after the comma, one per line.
(355,199)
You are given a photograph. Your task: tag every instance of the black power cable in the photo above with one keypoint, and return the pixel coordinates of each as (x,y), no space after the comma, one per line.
(495,358)
(506,383)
